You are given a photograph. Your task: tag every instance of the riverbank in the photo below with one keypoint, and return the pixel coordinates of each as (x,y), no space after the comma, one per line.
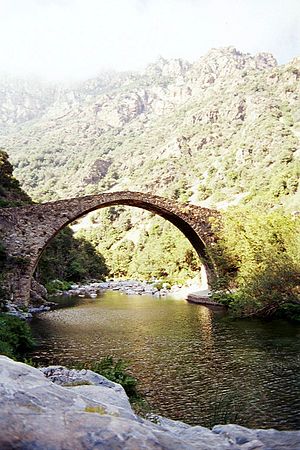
(157,289)
(59,408)
(131,287)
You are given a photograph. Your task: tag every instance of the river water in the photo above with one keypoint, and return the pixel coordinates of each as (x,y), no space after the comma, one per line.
(193,364)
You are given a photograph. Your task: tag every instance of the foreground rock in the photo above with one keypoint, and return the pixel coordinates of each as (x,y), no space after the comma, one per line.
(56,408)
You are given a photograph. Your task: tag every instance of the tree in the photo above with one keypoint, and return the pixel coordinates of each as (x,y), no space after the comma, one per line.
(264,247)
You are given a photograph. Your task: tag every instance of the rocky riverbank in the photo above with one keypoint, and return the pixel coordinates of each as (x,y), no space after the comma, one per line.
(130,287)
(157,289)
(56,408)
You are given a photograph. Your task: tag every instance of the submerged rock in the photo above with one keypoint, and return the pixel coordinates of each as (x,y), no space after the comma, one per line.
(57,408)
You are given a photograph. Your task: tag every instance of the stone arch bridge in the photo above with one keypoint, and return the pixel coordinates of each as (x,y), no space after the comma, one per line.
(25,231)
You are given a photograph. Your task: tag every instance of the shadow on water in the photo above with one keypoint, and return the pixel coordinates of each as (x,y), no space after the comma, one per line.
(193,364)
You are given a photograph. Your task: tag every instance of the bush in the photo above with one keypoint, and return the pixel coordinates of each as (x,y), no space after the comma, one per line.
(57,285)
(67,258)
(116,371)
(15,337)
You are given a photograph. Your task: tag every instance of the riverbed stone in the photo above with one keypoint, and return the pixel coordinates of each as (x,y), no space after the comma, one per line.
(60,409)
(269,439)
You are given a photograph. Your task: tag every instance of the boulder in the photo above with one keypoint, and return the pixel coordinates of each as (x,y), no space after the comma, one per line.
(57,408)
(38,293)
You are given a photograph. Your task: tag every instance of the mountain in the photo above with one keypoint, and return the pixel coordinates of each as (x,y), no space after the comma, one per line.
(222,130)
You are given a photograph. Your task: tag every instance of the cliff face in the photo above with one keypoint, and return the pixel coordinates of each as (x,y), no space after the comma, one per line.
(66,409)
(226,127)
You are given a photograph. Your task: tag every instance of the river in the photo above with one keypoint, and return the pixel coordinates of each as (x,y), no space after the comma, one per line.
(193,364)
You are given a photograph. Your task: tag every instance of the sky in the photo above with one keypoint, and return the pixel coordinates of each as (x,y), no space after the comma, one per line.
(76,39)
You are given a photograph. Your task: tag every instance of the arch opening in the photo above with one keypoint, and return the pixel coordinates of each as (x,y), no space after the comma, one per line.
(179,223)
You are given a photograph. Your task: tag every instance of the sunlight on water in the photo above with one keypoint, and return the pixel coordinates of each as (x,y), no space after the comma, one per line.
(193,364)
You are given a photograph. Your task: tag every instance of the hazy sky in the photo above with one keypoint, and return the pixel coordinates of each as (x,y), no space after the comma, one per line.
(63,39)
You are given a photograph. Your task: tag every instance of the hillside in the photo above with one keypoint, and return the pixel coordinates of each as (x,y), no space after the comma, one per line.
(225,128)
(222,131)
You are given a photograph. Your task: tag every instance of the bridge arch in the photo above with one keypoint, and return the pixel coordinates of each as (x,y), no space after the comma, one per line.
(33,227)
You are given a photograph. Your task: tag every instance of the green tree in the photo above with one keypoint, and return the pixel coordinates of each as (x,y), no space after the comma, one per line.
(70,259)
(264,249)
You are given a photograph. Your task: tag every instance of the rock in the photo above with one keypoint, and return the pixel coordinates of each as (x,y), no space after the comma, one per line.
(112,401)
(61,375)
(13,310)
(98,413)
(259,439)
(57,408)
(128,287)
(38,293)
(39,309)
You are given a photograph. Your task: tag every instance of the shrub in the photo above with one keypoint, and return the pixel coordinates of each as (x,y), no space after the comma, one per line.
(116,371)
(57,285)
(15,337)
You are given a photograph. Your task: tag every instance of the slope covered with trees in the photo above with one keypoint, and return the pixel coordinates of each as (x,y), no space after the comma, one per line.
(258,255)
(222,128)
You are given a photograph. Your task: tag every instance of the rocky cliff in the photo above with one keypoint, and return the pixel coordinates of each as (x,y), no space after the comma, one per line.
(223,128)
(56,408)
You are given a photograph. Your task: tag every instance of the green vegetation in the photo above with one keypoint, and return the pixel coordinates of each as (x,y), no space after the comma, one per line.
(11,193)
(67,259)
(15,337)
(238,134)
(259,253)
(159,251)
(118,372)
(57,285)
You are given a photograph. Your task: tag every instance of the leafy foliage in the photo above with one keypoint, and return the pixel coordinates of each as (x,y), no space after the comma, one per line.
(70,259)
(159,250)
(15,337)
(57,285)
(232,128)
(229,134)
(64,258)
(265,250)
(11,193)
(117,371)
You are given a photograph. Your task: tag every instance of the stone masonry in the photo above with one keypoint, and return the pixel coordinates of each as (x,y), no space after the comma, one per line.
(25,231)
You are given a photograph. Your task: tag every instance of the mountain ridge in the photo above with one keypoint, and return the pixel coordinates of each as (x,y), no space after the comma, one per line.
(219,123)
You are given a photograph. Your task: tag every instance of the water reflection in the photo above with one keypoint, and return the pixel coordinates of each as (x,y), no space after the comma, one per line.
(187,357)
(205,319)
